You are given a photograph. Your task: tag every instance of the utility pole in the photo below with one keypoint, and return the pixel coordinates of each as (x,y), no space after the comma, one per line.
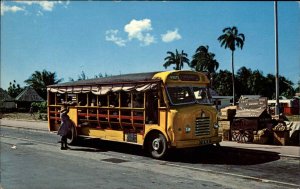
(276,60)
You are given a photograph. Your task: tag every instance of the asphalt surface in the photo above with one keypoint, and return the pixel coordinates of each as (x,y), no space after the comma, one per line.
(30,157)
(285,151)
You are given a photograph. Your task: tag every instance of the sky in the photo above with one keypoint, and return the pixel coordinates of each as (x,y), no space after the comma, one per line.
(115,37)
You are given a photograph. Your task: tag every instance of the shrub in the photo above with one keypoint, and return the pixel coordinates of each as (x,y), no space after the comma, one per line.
(40,107)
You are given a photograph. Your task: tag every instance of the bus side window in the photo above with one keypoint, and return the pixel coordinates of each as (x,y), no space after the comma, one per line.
(161,98)
(82,99)
(102,100)
(60,98)
(138,100)
(125,99)
(114,99)
(51,98)
(152,107)
(92,99)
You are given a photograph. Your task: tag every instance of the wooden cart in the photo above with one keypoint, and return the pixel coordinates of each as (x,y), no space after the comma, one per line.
(251,116)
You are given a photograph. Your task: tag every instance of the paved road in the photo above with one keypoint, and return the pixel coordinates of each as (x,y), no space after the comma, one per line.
(32,159)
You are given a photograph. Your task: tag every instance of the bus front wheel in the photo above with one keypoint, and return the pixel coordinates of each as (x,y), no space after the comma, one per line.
(157,146)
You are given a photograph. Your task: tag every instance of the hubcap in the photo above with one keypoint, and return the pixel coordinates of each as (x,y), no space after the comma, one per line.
(156,143)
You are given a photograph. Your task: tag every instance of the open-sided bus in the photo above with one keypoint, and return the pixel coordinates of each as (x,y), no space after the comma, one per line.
(158,110)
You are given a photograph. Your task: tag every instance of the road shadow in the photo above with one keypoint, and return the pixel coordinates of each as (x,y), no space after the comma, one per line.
(202,155)
(98,145)
(222,155)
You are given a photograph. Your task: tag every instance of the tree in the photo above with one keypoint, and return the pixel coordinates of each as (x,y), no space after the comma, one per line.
(256,83)
(176,58)
(269,89)
(286,87)
(204,61)
(298,87)
(222,83)
(100,75)
(231,39)
(40,80)
(82,76)
(14,89)
(243,82)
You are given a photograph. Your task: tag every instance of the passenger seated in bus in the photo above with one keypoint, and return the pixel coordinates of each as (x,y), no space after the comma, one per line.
(137,102)
(152,107)
(114,100)
(93,103)
(203,96)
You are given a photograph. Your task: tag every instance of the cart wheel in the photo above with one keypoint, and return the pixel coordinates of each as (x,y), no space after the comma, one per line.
(242,135)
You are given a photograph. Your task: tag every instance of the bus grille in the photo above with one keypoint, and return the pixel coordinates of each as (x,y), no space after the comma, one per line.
(202,126)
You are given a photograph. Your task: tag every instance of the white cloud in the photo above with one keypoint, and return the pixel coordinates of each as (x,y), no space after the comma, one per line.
(136,27)
(170,36)
(298,3)
(148,39)
(139,29)
(45,5)
(6,8)
(111,35)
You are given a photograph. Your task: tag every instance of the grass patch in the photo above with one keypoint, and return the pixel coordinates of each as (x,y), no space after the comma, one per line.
(26,116)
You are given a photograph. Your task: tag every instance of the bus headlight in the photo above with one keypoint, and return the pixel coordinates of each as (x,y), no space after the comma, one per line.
(187,129)
(216,126)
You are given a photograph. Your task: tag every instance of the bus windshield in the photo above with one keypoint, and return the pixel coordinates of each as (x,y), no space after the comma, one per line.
(188,95)
(202,95)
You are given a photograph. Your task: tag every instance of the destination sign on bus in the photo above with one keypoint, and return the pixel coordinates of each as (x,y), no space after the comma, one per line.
(189,77)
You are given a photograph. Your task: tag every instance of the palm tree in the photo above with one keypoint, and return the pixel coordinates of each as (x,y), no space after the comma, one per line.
(204,61)
(177,59)
(40,80)
(231,38)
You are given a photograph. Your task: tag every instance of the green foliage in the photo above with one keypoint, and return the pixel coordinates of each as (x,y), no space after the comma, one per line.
(252,83)
(176,58)
(222,83)
(100,75)
(14,89)
(82,76)
(40,80)
(231,39)
(40,107)
(204,61)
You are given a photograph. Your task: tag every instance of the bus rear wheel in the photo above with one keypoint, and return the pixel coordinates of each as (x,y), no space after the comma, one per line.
(157,146)
(72,136)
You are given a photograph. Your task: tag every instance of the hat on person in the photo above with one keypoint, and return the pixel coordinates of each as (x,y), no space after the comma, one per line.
(63,108)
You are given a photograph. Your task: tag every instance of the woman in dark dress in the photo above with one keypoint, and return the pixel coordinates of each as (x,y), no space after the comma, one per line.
(65,127)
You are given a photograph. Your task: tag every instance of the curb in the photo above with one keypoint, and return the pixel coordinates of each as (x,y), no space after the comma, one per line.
(26,120)
(289,156)
(26,128)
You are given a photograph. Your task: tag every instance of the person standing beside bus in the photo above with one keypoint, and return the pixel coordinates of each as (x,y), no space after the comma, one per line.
(65,127)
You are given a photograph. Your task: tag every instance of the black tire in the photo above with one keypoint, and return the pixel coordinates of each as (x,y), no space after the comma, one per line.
(72,136)
(157,146)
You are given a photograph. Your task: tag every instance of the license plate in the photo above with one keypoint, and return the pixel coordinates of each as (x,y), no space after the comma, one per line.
(205,142)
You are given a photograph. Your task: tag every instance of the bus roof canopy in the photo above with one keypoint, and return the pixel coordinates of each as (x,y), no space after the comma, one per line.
(126,82)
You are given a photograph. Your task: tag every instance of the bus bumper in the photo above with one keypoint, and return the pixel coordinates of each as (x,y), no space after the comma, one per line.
(197,142)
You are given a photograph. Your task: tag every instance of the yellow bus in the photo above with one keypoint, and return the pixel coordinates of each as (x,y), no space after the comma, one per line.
(157,110)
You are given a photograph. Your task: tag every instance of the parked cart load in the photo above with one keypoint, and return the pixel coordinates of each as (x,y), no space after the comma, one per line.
(251,116)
